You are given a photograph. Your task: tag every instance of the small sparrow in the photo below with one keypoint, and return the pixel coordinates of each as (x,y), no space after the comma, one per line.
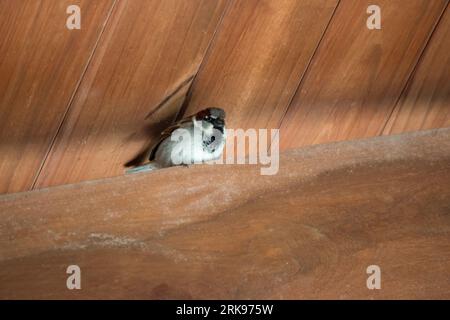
(194,139)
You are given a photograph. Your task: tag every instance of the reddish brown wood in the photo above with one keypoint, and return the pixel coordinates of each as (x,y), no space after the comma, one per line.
(149,48)
(258,58)
(41,62)
(227,232)
(426,102)
(358,74)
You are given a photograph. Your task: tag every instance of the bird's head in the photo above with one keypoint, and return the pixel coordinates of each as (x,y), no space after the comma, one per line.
(214,117)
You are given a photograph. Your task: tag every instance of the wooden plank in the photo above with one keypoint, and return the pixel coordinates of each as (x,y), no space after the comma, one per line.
(41,64)
(149,49)
(358,74)
(258,58)
(226,231)
(426,102)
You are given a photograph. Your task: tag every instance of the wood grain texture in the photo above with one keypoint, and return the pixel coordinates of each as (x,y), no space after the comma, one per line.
(149,48)
(357,74)
(41,63)
(426,102)
(308,232)
(257,59)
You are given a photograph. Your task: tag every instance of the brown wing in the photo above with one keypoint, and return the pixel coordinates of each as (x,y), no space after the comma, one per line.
(149,152)
(167,133)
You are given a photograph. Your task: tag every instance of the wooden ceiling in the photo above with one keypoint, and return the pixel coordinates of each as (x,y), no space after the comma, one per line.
(73,103)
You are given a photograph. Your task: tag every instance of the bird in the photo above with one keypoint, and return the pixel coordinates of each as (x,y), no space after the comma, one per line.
(194,139)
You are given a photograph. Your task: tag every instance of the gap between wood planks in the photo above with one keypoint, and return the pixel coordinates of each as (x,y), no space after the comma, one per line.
(413,71)
(187,99)
(71,100)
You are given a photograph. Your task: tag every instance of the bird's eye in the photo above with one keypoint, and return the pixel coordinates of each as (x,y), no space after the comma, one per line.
(207,118)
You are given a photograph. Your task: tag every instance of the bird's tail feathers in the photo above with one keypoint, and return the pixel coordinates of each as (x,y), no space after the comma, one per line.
(146,167)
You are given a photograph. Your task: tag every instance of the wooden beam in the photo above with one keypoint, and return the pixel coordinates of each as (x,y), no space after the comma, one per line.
(309,231)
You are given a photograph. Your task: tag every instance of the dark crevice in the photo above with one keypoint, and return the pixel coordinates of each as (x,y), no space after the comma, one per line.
(311,59)
(72,98)
(413,71)
(208,50)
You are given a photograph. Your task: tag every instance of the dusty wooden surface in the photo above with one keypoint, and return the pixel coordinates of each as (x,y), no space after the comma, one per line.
(426,102)
(227,232)
(357,74)
(148,49)
(41,62)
